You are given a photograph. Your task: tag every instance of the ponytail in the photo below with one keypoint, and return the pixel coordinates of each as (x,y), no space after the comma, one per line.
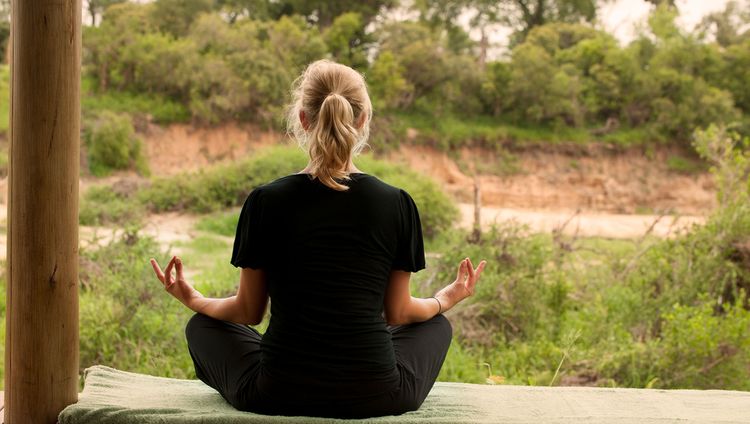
(333,97)
(332,139)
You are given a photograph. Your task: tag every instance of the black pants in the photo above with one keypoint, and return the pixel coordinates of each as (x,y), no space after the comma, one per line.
(227,357)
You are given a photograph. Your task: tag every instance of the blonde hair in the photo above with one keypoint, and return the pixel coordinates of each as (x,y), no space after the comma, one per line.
(334,98)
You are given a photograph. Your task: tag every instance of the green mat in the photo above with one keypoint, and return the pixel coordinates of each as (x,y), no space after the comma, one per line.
(113,396)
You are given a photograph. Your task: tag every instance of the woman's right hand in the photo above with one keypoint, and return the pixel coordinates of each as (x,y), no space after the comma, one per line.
(463,287)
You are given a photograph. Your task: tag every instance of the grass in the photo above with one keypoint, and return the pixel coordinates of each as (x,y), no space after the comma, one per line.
(159,108)
(684,165)
(222,223)
(451,131)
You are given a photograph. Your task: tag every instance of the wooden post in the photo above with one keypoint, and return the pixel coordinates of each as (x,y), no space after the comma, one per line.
(41,345)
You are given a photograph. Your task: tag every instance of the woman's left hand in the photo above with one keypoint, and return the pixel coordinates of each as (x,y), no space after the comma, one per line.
(177,287)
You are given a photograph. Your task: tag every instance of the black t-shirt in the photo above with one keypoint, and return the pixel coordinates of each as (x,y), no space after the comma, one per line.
(327,255)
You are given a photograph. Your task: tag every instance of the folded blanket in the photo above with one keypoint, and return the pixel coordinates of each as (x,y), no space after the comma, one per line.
(111,396)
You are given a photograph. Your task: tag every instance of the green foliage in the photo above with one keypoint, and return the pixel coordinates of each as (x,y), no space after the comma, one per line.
(684,165)
(111,144)
(222,186)
(221,223)
(452,131)
(127,320)
(153,107)
(388,86)
(439,78)
(711,347)
(347,41)
(234,60)
(104,205)
(324,12)
(175,16)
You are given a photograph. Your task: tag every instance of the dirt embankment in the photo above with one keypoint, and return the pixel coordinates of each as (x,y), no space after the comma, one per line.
(177,148)
(591,178)
(594,189)
(581,190)
(548,177)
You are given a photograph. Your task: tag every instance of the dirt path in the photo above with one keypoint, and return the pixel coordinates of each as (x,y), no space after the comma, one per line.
(170,230)
(581,224)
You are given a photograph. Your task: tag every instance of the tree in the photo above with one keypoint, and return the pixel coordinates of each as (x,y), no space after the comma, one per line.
(726,26)
(176,16)
(525,15)
(521,15)
(323,12)
(121,24)
(442,79)
(389,88)
(247,9)
(347,40)
(97,8)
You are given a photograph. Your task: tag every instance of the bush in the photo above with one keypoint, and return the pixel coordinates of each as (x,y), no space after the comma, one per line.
(154,107)
(127,320)
(111,144)
(102,205)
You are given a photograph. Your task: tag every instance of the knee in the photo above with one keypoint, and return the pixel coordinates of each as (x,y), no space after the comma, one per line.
(445,325)
(194,325)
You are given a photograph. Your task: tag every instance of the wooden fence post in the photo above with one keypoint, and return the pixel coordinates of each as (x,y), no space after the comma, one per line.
(41,345)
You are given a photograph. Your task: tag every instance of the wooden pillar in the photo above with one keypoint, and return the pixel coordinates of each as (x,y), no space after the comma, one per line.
(41,345)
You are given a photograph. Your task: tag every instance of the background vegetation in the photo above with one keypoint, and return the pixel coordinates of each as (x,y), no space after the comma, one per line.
(551,309)
(562,78)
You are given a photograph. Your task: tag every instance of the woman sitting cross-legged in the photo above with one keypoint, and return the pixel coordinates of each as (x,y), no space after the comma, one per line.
(333,248)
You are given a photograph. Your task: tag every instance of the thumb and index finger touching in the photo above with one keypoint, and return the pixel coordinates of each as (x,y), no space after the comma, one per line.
(166,276)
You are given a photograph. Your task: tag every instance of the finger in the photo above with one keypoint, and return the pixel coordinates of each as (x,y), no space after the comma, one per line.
(473,282)
(157,270)
(461,273)
(480,268)
(178,267)
(471,269)
(168,272)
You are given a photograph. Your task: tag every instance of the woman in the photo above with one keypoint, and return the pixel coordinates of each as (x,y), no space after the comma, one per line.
(333,248)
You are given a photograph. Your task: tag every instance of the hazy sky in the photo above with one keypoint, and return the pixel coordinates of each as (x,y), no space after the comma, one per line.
(621,16)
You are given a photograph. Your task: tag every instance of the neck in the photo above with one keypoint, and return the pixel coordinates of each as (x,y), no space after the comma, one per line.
(350,169)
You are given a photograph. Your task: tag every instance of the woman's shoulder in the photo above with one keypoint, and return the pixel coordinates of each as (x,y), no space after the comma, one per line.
(363,183)
(281,184)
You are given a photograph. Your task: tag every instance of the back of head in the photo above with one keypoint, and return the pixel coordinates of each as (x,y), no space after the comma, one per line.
(337,109)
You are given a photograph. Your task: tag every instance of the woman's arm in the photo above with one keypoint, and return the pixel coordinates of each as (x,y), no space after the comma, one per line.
(246,307)
(402,308)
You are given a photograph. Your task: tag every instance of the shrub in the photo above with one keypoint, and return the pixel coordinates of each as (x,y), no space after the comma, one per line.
(103,205)
(111,144)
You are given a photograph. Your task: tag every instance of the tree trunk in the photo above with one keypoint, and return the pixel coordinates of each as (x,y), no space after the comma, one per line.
(41,356)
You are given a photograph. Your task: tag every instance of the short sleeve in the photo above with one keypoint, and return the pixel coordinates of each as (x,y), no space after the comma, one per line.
(410,248)
(250,245)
